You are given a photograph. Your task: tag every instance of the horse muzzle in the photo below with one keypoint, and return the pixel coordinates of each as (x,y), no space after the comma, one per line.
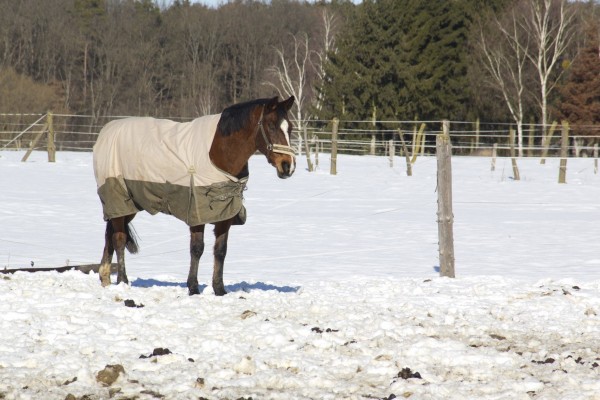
(286,168)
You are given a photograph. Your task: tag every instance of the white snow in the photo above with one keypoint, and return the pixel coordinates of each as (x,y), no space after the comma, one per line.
(333,284)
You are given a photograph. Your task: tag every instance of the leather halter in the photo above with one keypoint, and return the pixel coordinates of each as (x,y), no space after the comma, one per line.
(274,148)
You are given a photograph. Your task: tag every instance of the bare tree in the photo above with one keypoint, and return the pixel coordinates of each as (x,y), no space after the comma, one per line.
(550,24)
(296,73)
(505,62)
(536,31)
(328,45)
(136,57)
(201,41)
(291,73)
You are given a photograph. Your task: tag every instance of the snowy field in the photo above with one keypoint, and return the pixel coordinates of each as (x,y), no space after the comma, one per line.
(334,289)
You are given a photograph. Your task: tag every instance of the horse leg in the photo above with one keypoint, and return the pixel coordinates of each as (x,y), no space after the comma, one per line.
(120,239)
(107,255)
(196,250)
(220,251)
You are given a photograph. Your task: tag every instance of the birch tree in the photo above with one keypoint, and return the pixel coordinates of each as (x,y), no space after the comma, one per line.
(301,68)
(505,62)
(330,23)
(531,38)
(550,24)
(291,72)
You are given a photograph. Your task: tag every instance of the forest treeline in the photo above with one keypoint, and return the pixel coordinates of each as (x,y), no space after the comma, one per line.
(378,60)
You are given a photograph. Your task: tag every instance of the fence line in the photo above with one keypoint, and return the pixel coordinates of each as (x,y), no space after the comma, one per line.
(79,132)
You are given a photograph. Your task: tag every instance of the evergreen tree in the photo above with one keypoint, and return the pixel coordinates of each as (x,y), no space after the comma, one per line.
(400,60)
(580,96)
(363,74)
(437,38)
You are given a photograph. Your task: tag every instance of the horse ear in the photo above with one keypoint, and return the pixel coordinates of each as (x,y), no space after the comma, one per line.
(272,104)
(287,104)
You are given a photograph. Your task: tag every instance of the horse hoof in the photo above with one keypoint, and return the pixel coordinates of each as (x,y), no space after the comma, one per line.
(105,281)
(193,291)
(220,292)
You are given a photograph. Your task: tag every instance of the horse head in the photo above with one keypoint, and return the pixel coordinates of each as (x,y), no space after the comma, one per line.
(273,138)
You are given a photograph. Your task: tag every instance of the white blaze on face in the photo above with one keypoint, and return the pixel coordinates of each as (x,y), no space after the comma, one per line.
(284,127)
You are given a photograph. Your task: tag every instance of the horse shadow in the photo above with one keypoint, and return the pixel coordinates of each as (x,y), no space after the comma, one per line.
(236,287)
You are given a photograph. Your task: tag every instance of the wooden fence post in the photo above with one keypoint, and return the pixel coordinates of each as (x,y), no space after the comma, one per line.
(307,149)
(530,140)
(494,154)
(34,143)
(445,215)
(546,139)
(576,145)
(300,140)
(51,146)
(417,142)
(392,152)
(564,149)
(516,175)
(406,154)
(334,138)
(372,145)
(17,139)
(595,158)
(317,149)
(477,133)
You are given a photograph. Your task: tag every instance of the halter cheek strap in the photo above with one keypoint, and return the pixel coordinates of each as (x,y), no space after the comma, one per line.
(274,148)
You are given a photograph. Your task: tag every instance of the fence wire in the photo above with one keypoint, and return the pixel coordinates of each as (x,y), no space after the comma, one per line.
(79,133)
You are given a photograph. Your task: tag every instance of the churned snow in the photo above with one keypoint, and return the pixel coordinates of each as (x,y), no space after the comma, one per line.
(334,290)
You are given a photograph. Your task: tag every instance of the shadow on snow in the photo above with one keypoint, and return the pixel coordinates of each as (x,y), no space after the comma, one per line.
(236,287)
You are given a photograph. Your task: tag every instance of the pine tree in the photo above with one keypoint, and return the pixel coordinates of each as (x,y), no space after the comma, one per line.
(351,79)
(437,36)
(400,60)
(580,96)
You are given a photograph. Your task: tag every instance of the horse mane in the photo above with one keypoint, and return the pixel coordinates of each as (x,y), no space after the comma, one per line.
(234,118)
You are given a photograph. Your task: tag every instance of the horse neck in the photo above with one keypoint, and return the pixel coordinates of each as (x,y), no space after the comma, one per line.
(231,153)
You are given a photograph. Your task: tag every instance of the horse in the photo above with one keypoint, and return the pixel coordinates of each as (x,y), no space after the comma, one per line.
(196,171)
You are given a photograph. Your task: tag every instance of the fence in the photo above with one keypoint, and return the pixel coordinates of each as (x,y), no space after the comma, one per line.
(79,132)
(69,132)
(468,138)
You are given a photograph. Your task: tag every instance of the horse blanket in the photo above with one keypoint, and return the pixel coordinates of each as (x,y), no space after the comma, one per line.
(159,165)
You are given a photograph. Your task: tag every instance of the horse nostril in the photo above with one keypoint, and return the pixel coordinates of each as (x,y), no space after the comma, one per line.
(285,166)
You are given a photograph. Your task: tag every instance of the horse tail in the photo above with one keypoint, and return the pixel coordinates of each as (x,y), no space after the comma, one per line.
(131,244)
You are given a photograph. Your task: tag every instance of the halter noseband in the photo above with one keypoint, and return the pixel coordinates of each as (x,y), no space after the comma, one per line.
(274,148)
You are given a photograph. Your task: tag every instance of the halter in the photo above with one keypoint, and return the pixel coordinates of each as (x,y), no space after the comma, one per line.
(274,148)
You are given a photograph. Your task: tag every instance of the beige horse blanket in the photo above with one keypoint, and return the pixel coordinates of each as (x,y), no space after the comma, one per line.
(159,165)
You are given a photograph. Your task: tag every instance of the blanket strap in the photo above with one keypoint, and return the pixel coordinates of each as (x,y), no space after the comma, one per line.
(238,191)
(191,171)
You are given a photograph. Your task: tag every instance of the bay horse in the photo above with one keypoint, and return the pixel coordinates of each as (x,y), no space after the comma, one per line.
(195,171)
